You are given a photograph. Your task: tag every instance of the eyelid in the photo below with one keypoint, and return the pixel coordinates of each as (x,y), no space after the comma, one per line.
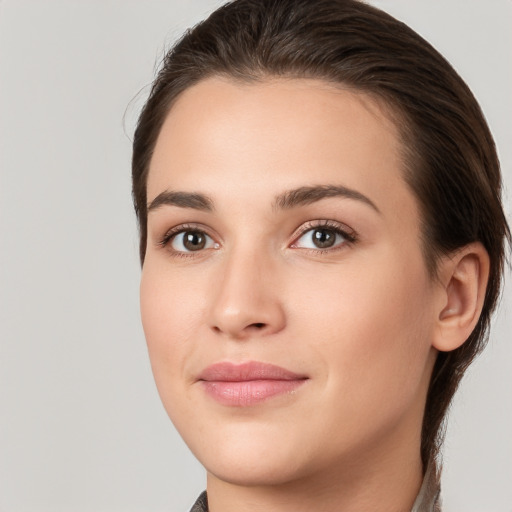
(348,233)
(181,228)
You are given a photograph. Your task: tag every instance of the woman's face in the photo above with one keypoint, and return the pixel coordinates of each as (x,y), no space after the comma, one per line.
(285,300)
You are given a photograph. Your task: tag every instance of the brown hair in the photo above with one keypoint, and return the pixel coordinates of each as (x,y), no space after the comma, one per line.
(449,154)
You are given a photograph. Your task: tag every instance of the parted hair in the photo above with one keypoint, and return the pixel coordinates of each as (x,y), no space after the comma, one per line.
(449,156)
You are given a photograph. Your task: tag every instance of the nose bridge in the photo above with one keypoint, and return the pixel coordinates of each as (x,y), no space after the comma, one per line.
(247,301)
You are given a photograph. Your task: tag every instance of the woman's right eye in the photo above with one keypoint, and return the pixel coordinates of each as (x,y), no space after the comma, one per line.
(191,240)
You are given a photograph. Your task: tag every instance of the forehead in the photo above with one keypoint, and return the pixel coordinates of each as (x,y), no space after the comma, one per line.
(265,137)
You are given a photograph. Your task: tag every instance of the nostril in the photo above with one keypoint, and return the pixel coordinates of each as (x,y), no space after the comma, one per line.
(258,325)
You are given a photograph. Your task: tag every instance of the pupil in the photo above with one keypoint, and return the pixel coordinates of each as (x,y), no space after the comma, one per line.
(194,240)
(323,238)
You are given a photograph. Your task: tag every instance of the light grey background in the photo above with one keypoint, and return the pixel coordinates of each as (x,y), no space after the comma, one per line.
(81,426)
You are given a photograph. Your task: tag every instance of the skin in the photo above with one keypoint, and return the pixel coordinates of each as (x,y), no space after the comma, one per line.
(360,319)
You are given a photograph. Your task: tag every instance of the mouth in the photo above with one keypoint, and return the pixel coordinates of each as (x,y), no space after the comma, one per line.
(250,383)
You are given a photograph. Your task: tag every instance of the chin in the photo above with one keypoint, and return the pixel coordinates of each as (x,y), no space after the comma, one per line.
(258,470)
(250,455)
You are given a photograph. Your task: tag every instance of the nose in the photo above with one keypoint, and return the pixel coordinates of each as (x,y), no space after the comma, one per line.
(247,301)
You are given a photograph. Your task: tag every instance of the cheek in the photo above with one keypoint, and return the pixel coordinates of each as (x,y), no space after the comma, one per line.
(371,326)
(169,323)
(170,302)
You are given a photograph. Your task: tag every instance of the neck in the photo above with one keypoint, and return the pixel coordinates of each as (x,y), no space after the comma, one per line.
(378,481)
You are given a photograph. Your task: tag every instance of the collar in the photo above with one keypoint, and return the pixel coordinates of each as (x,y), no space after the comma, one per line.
(428,499)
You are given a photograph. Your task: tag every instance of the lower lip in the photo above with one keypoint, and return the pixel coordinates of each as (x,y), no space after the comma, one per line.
(251,392)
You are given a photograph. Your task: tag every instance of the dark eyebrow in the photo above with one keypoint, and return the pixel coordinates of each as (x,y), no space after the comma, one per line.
(289,199)
(183,200)
(307,195)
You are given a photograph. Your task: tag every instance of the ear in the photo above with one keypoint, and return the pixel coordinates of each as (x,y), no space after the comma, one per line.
(463,279)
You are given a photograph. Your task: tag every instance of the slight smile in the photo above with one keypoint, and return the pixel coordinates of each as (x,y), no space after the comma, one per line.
(249,383)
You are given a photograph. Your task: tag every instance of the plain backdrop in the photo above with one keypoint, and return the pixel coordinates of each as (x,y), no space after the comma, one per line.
(81,425)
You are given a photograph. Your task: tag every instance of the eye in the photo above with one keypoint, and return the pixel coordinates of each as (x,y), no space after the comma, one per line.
(191,241)
(322,237)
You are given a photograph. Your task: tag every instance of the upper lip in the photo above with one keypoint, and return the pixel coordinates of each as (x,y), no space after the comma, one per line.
(247,371)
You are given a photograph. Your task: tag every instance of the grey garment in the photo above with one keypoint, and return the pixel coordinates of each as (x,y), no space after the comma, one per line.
(201,504)
(428,499)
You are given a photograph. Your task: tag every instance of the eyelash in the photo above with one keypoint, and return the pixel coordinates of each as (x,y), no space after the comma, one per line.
(175,231)
(348,234)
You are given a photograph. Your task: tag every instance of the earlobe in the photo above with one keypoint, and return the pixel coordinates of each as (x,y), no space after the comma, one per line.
(464,275)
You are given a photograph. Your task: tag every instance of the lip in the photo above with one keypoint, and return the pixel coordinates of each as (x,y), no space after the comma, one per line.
(249,383)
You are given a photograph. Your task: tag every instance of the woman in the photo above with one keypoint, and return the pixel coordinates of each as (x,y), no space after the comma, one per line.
(322,239)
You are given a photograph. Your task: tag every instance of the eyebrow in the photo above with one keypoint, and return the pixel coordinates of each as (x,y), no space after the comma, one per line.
(183,200)
(308,195)
(290,199)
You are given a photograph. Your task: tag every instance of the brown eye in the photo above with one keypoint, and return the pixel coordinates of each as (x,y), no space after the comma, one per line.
(322,237)
(191,241)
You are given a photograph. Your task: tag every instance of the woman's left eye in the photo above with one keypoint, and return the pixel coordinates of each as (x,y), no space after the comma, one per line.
(321,237)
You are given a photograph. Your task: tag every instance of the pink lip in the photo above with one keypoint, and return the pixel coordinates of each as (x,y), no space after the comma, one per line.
(247,383)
